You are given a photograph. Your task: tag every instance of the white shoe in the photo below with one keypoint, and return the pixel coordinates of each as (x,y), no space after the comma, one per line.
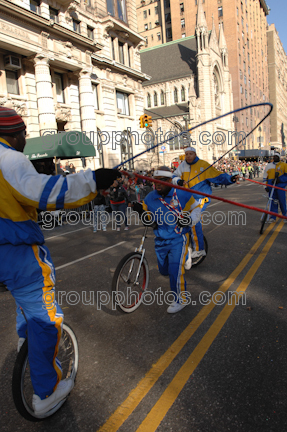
(197,254)
(20,343)
(175,307)
(188,262)
(271,220)
(42,406)
(118,229)
(105,229)
(126,228)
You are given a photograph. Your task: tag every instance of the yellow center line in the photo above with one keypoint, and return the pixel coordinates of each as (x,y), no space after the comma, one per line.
(160,409)
(136,395)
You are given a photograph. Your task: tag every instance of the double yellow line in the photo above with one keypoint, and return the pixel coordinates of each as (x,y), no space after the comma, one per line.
(164,403)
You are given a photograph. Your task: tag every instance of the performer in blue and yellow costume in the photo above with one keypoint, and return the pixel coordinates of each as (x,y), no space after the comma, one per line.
(166,206)
(193,173)
(271,168)
(26,266)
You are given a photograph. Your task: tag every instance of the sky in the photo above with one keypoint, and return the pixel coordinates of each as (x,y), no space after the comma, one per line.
(277,16)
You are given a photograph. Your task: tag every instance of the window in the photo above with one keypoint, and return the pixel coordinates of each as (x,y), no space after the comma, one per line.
(149,11)
(244,66)
(129,56)
(241,89)
(167,18)
(148,101)
(35,6)
(166,4)
(158,36)
(123,103)
(76,26)
(247,43)
(239,59)
(121,53)
(54,14)
(182,94)
(181,6)
(146,41)
(168,33)
(12,82)
(245,80)
(146,27)
(242,21)
(175,95)
(152,37)
(220,12)
(240,73)
(182,22)
(183,35)
(156,10)
(117,8)
(245,94)
(113,48)
(249,70)
(95,92)
(150,25)
(145,14)
(110,7)
(162,97)
(237,11)
(90,32)
(58,81)
(155,99)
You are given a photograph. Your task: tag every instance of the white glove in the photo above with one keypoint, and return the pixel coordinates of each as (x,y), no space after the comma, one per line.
(195,215)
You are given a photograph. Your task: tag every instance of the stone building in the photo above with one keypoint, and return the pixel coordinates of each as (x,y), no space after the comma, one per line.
(244,24)
(74,65)
(190,83)
(277,64)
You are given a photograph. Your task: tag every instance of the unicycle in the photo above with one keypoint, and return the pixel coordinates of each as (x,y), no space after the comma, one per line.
(22,388)
(131,279)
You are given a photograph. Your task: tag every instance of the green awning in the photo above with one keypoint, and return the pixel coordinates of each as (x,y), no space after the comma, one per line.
(64,145)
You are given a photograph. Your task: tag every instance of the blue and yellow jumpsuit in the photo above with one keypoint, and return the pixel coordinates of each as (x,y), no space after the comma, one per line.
(171,244)
(201,182)
(26,265)
(278,195)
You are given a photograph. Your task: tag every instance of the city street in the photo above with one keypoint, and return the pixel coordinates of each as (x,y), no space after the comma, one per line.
(212,367)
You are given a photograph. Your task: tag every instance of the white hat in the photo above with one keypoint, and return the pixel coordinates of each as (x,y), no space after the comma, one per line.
(190,149)
(277,154)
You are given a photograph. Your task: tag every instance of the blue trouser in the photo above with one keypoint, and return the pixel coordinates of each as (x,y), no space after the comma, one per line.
(120,210)
(197,238)
(280,196)
(171,257)
(29,274)
(98,210)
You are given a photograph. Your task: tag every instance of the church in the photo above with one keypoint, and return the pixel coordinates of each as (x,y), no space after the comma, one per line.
(190,84)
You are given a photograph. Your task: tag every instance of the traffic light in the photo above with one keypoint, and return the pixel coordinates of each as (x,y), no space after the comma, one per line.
(147,121)
(142,121)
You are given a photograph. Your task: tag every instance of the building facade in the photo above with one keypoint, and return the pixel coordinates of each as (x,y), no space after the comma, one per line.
(244,23)
(74,65)
(277,64)
(190,84)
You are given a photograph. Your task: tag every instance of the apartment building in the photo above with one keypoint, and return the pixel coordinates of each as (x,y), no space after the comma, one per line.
(277,65)
(74,65)
(245,28)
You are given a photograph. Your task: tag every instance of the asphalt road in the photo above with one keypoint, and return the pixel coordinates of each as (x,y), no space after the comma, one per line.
(208,368)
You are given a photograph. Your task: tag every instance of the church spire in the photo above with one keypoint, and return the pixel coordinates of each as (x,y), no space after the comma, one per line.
(201,29)
(200,21)
(222,41)
(223,47)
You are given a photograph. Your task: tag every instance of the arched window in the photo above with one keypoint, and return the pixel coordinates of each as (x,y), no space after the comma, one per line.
(182,94)
(216,89)
(175,95)
(155,99)
(162,97)
(148,101)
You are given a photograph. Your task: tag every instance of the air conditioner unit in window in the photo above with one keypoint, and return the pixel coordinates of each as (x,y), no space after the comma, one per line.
(12,62)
